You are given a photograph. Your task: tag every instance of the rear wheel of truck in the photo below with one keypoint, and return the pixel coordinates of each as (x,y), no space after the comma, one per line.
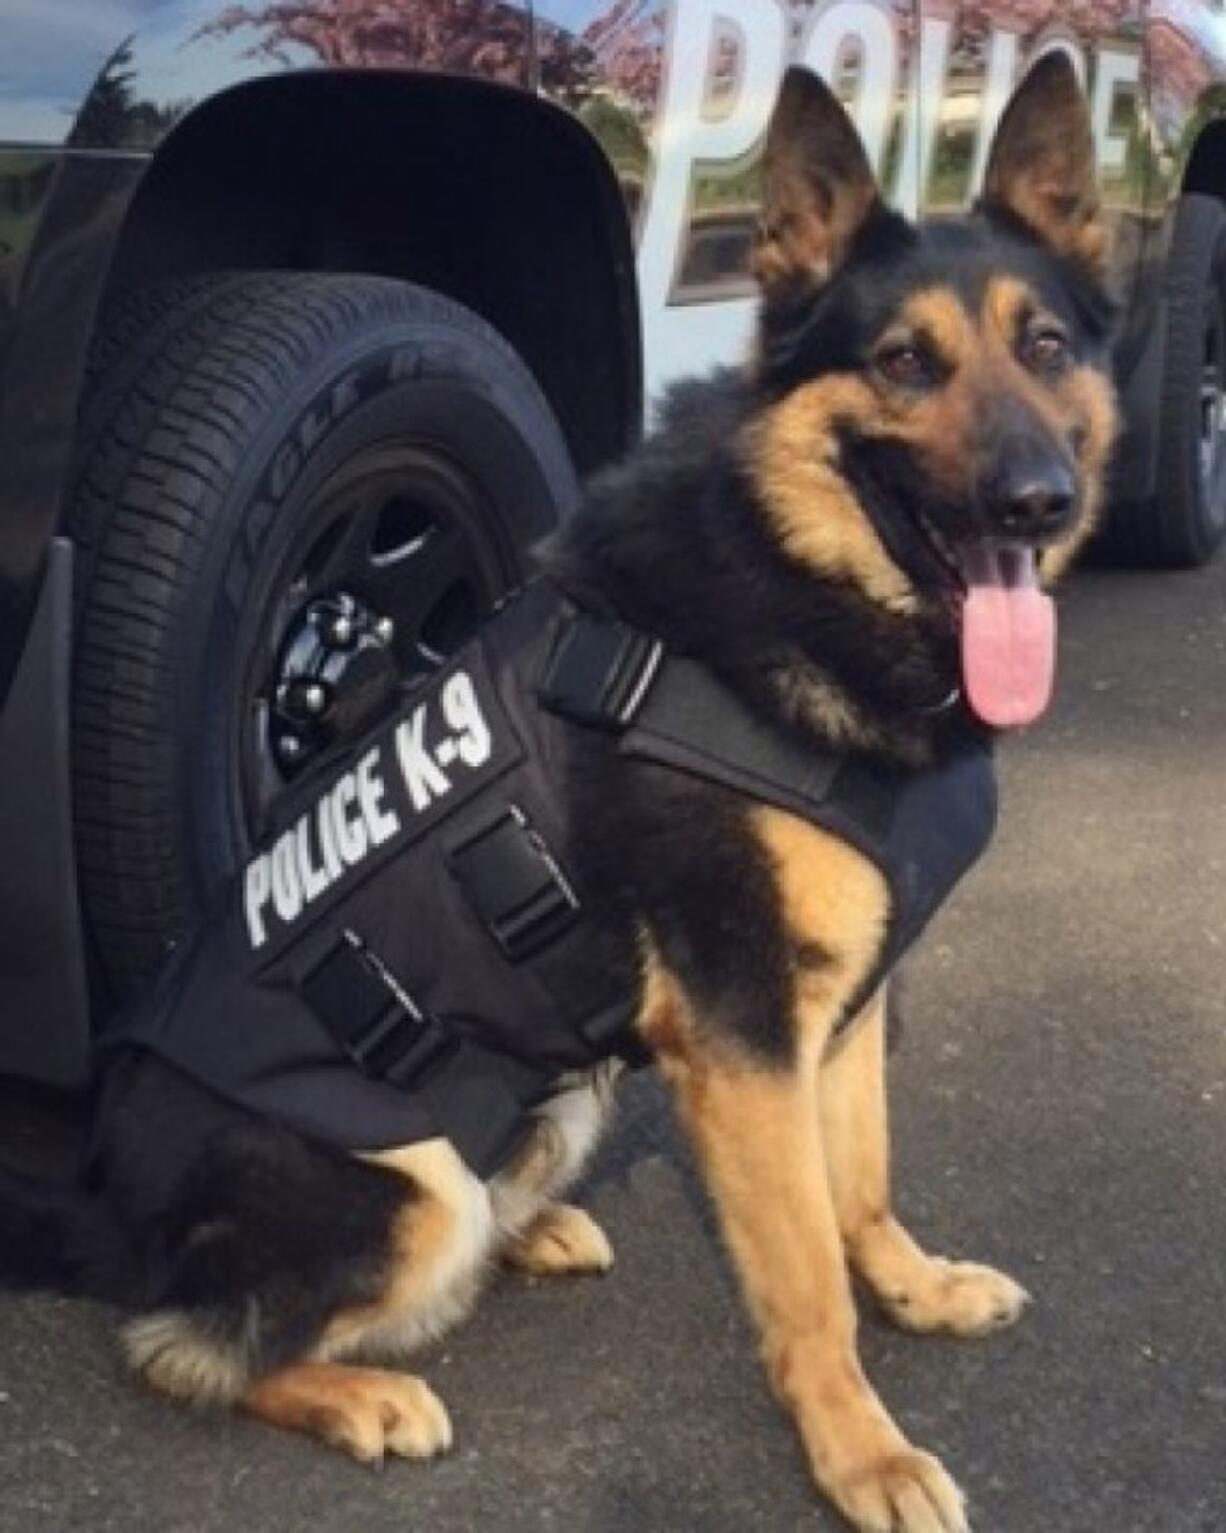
(295,493)
(1183,525)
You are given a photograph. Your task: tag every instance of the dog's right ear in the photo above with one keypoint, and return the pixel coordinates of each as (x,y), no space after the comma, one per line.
(818,187)
(1041,169)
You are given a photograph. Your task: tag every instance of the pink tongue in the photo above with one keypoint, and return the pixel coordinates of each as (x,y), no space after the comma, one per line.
(1008,636)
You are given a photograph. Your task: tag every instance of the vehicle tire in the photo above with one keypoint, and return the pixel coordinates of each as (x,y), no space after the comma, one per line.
(1183,525)
(271,466)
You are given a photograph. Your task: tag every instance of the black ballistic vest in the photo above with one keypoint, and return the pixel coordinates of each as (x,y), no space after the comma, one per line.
(408,955)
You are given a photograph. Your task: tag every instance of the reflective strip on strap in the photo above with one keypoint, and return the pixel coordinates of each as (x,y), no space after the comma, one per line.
(600,672)
(514,885)
(371,1016)
(478,1100)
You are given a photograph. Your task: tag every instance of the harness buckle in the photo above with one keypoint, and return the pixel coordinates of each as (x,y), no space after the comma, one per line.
(600,672)
(370,1014)
(514,884)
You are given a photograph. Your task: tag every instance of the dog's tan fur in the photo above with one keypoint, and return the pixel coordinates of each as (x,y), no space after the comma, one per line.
(793,457)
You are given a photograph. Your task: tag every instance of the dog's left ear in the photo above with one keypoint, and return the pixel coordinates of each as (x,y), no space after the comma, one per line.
(818,187)
(1041,168)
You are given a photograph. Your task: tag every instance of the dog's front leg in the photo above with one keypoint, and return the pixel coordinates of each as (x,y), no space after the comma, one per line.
(757,1134)
(920,1292)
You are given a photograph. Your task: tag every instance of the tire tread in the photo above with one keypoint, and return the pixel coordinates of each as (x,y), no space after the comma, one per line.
(1165,532)
(177,382)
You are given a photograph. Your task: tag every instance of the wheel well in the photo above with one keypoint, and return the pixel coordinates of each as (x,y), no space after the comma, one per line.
(1206,169)
(487,194)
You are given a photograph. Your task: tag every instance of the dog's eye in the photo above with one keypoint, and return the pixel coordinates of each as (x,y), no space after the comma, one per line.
(904,365)
(1046,350)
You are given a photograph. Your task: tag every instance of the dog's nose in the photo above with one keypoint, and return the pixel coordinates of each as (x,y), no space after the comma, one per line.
(1032,500)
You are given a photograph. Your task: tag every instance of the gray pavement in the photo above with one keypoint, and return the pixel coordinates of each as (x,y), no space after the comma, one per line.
(1060,1110)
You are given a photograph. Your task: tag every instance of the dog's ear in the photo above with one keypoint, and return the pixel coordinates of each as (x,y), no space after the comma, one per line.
(1041,168)
(818,187)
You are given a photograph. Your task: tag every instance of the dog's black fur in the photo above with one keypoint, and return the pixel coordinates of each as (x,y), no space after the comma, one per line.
(194,1207)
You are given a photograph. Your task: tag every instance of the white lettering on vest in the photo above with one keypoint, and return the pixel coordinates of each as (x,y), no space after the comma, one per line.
(286,892)
(257,886)
(462,711)
(353,817)
(313,880)
(327,839)
(379,822)
(350,833)
(422,778)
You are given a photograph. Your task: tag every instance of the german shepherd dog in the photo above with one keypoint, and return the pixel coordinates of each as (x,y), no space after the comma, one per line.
(852,532)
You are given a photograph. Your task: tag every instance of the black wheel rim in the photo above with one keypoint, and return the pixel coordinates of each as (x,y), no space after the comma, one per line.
(1211,425)
(405,551)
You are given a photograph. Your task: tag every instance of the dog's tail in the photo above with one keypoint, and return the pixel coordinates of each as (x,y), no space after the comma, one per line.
(61,1238)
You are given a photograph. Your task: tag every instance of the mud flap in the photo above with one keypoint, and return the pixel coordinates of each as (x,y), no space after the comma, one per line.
(44,1020)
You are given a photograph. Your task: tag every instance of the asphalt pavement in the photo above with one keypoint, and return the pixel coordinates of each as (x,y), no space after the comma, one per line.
(1060,1111)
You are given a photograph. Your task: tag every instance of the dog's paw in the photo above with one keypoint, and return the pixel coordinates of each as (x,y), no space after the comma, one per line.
(387,1413)
(561,1239)
(962,1298)
(902,1492)
(366,1412)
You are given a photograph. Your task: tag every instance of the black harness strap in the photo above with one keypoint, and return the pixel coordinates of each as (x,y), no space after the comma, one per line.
(600,671)
(673,710)
(371,1016)
(691,721)
(514,884)
(518,890)
(477,1100)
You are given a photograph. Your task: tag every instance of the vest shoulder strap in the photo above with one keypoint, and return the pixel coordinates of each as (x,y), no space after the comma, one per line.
(670,709)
